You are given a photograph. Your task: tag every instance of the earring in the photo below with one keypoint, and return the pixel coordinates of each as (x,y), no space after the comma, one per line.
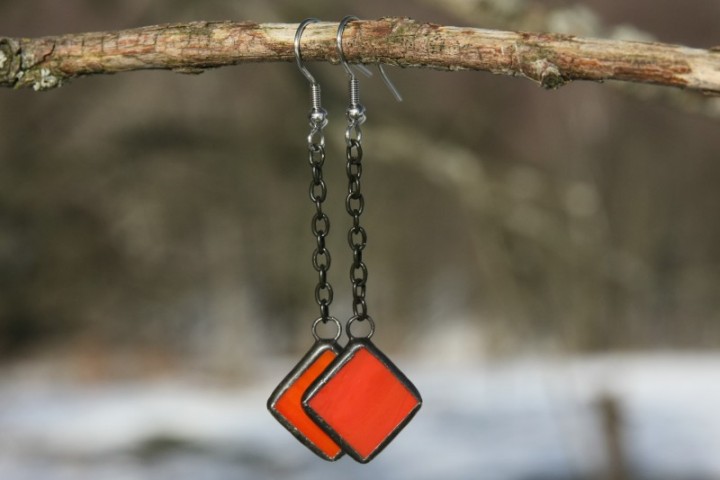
(285,401)
(362,400)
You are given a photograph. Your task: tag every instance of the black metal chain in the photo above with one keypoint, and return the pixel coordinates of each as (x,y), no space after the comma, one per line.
(320,224)
(355,204)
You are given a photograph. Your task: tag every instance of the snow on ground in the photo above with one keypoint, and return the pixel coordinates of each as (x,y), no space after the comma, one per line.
(520,420)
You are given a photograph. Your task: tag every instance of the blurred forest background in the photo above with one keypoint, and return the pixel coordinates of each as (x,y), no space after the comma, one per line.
(167,215)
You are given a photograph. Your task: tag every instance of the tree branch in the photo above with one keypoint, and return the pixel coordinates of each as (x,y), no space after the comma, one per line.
(575,19)
(549,59)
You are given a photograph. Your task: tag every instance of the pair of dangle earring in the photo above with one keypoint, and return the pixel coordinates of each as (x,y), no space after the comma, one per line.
(350,399)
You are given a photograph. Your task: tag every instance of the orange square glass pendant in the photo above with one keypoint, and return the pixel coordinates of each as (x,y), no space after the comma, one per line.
(285,402)
(362,400)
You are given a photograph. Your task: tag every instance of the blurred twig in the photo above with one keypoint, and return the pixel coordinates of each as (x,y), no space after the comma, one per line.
(549,59)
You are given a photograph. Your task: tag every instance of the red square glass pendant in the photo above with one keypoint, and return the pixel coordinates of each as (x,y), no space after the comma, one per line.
(285,401)
(362,400)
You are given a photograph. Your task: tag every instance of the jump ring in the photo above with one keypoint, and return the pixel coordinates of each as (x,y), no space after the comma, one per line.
(324,320)
(354,319)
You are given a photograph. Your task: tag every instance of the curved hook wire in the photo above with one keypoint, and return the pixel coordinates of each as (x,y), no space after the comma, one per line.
(298,57)
(318,115)
(393,89)
(338,39)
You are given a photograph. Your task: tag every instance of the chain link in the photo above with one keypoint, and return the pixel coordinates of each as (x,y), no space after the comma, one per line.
(320,223)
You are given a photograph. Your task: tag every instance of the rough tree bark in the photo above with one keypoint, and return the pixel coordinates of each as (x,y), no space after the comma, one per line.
(549,59)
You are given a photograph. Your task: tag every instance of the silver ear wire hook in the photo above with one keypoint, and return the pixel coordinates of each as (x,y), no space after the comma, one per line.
(318,115)
(393,89)
(355,111)
(361,67)
(298,57)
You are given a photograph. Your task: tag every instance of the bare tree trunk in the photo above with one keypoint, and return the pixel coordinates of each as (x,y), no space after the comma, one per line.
(549,59)
(610,412)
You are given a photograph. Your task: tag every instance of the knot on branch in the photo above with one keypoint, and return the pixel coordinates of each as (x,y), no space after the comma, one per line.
(548,74)
(9,62)
(22,67)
